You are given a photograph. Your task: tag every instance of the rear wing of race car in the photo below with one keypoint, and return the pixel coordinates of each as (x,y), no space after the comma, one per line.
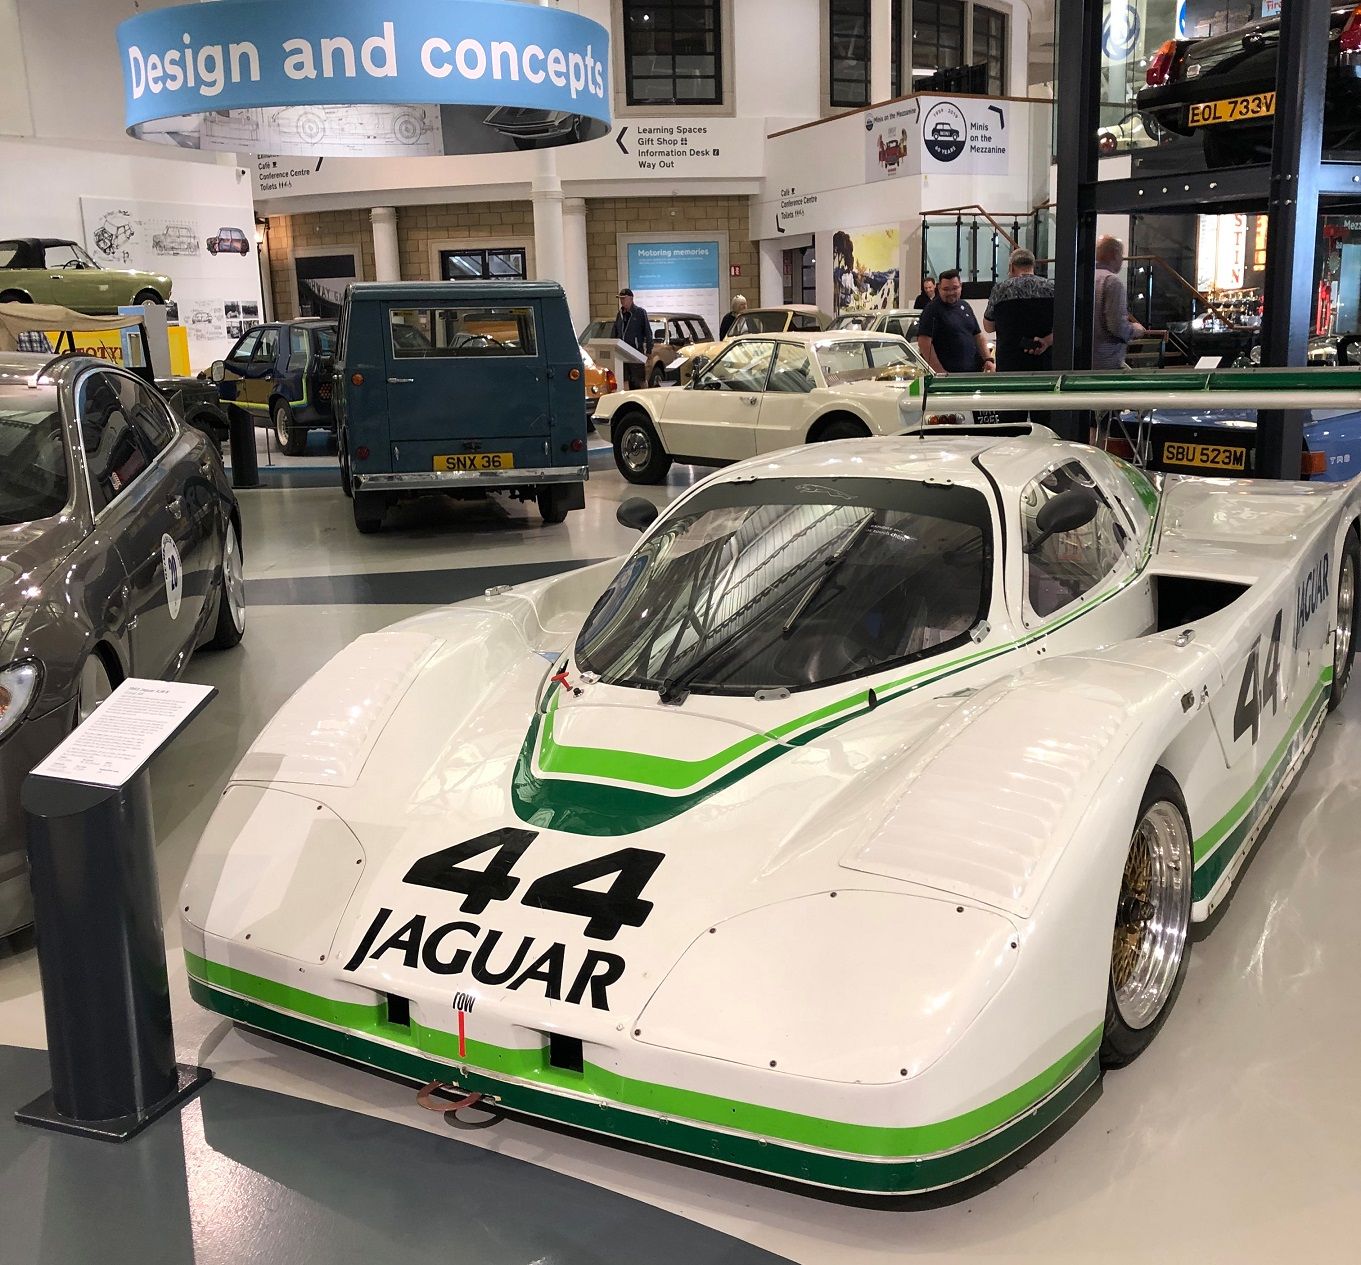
(1193,390)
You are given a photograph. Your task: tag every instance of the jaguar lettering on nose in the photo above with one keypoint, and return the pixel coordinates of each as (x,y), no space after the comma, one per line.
(563,974)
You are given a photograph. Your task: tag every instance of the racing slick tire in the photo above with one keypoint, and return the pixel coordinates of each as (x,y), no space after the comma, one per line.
(291,437)
(231,603)
(1344,638)
(1150,943)
(638,451)
(369,508)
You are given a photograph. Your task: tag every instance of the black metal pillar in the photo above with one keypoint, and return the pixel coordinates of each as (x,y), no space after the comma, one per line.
(1079,117)
(245,463)
(1292,231)
(101,956)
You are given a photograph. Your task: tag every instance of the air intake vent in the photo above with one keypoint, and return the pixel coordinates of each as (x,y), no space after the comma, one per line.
(564,1052)
(399,1011)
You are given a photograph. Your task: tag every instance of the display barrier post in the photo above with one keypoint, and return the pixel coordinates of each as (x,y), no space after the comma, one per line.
(245,464)
(101,949)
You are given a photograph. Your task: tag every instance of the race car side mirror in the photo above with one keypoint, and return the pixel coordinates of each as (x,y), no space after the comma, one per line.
(1066,512)
(637,513)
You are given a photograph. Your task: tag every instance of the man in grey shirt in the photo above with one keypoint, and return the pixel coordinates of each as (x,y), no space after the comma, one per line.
(1113,329)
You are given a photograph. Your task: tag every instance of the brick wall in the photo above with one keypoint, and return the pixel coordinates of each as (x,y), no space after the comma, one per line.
(606,218)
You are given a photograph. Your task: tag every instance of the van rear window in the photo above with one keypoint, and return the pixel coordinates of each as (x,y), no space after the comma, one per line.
(422,333)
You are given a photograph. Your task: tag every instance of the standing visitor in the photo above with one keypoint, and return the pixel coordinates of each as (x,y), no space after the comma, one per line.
(1021,313)
(928,292)
(948,332)
(739,305)
(1113,329)
(632,326)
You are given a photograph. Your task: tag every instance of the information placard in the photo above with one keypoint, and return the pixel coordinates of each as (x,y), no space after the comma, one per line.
(125,732)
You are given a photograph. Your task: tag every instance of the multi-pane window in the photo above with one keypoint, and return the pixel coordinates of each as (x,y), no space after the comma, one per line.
(990,46)
(946,35)
(937,35)
(426,333)
(673,52)
(848,30)
(498,264)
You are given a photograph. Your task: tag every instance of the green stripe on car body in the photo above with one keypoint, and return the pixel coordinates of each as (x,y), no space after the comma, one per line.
(854,1156)
(1216,849)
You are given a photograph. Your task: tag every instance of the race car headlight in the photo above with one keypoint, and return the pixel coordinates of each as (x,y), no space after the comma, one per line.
(18,690)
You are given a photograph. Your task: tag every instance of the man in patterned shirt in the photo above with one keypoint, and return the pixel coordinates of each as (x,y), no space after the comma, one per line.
(1021,314)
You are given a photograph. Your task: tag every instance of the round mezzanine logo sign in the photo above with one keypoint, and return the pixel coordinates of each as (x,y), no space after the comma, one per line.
(945,131)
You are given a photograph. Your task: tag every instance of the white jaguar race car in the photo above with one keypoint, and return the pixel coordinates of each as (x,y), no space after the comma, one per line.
(844,832)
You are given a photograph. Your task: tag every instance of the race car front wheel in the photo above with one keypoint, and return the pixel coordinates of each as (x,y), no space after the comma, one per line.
(1344,636)
(1149,945)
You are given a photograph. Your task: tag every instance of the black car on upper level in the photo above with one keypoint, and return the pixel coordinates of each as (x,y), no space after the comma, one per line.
(1224,87)
(280,374)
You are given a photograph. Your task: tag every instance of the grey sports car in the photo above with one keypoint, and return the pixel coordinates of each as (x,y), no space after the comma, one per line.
(120,554)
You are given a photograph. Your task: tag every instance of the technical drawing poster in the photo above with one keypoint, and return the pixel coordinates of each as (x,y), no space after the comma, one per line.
(208,252)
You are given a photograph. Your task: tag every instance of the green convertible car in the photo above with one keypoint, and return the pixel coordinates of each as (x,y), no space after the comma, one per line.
(54,270)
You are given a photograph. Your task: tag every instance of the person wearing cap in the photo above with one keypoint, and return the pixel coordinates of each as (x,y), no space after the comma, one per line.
(632,326)
(1021,314)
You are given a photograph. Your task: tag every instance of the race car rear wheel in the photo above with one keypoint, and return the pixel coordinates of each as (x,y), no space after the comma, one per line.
(1149,945)
(638,451)
(1344,638)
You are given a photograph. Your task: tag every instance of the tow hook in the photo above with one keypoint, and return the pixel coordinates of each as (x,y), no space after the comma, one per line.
(449,1110)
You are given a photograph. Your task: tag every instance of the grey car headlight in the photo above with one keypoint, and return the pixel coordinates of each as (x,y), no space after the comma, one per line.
(19,684)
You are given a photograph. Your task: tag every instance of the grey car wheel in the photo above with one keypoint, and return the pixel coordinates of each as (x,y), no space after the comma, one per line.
(231,605)
(292,437)
(95,686)
(638,452)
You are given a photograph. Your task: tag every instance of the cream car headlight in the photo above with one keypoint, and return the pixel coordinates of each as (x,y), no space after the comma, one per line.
(19,683)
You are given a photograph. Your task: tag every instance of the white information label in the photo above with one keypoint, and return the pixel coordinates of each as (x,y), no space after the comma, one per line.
(126,730)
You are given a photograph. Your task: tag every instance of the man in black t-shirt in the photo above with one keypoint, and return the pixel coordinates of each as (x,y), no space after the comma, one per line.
(948,333)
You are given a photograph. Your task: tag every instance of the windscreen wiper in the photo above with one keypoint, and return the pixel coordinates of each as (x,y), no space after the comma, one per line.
(829,569)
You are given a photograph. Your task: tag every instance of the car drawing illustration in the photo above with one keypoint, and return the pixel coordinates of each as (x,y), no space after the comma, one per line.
(115,230)
(229,241)
(178,238)
(59,271)
(943,131)
(120,554)
(892,152)
(932,748)
(538,129)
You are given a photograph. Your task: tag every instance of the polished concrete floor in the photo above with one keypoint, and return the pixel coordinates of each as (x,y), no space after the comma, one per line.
(1236,1138)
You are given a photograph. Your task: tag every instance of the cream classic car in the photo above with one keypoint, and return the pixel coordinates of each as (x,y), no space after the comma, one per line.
(765,392)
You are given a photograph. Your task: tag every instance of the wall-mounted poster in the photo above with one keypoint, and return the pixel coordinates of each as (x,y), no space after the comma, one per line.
(208,252)
(322,280)
(677,276)
(865,269)
(961,136)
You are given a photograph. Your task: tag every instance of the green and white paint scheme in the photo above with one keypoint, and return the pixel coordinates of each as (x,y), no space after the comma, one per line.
(870,943)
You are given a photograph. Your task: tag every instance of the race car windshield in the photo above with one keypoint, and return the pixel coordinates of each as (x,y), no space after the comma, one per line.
(790,584)
(32,460)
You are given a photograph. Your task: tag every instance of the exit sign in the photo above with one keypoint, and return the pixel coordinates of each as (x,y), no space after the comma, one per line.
(735,270)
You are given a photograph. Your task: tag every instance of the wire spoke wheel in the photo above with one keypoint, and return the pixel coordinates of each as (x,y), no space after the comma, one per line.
(1152,917)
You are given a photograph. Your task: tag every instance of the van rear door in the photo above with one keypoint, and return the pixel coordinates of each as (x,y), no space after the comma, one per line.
(471,373)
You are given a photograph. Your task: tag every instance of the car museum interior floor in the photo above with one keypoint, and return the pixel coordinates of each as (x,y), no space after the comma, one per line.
(1234,1138)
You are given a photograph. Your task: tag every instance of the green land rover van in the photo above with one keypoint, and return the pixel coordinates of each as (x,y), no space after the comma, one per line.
(460,387)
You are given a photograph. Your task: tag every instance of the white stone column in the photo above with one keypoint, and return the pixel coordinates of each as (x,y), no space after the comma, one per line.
(550,246)
(577,277)
(881,50)
(387,256)
(772,273)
